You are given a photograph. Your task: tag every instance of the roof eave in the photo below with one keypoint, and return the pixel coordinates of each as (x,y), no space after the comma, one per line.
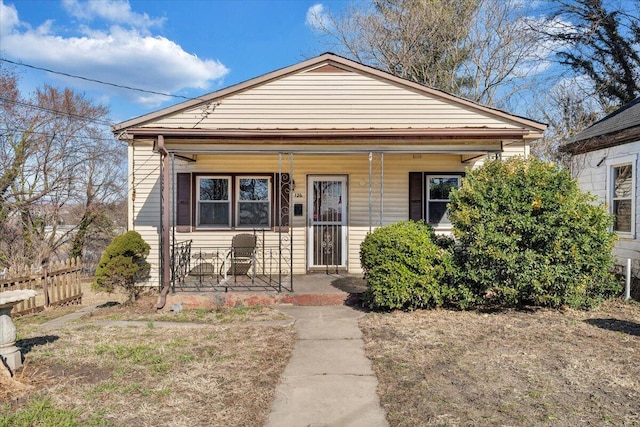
(282,134)
(599,142)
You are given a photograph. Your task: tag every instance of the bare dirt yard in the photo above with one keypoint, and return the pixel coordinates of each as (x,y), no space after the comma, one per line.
(508,367)
(220,371)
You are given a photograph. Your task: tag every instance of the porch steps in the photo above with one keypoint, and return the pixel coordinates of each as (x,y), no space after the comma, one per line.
(308,290)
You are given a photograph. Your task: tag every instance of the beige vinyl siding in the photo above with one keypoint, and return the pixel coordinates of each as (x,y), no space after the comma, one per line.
(146,207)
(331,101)
(144,200)
(515,149)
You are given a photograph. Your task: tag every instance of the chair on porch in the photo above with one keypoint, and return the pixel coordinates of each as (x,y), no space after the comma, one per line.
(241,258)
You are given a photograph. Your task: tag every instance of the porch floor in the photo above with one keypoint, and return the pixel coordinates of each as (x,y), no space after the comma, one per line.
(313,289)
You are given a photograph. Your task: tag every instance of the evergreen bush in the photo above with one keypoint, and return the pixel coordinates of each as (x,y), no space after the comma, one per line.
(529,236)
(404,268)
(123,264)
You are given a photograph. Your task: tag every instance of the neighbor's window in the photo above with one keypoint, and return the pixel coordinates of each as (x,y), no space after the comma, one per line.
(253,202)
(214,202)
(438,190)
(622,197)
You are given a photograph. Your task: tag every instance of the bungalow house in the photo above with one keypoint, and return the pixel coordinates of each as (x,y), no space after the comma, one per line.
(604,160)
(308,159)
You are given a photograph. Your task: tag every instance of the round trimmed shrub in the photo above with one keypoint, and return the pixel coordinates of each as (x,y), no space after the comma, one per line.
(404,268)
(529,236)
(123,264)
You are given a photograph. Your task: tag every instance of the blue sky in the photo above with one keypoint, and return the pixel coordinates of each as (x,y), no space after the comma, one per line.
(186,48)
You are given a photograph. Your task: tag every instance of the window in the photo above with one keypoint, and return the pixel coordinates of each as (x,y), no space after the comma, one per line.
(241,201)
(254,205)
(438,190)
(214,204)
(622,197)
(429,196)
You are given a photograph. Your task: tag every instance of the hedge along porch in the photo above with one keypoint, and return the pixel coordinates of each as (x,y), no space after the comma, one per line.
(309,158)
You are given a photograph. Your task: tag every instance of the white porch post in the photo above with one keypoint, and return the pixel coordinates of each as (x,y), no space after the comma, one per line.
(370,188)
(381,188)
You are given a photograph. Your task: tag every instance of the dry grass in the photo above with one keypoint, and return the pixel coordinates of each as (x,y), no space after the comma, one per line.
(220,372)
(533,368)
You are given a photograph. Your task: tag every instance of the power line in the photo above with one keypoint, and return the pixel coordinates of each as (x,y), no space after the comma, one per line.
(50,110)
(153,92)
(51,134)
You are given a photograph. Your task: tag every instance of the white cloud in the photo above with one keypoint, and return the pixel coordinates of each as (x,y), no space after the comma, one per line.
(540,58)
(317,18)
(114,11)
(8,19)
(125,56)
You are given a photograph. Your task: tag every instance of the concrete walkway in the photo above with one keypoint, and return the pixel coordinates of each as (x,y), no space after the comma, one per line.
(328,381)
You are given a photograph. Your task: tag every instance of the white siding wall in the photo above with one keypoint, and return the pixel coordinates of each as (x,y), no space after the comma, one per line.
(146,206)
(332,101)
(593,179)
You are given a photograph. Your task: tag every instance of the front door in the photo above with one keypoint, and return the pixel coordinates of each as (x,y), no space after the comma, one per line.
(327,230)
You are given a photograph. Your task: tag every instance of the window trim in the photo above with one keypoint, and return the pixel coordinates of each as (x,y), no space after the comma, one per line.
(610,186)
(198,201)
(237,200)
(233,179)
(417,195)
(428,200)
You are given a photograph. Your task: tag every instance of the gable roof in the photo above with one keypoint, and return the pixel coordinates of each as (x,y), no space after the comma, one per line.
(327,63)
(619,127)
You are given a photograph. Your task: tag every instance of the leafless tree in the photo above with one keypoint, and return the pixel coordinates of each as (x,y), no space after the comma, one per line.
(568,110)
(51,161)
(480,49)
(505,56)
(419,40)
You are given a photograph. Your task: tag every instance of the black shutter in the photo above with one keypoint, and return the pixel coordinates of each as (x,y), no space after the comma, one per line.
(183,201)
(416,195)
(282,192)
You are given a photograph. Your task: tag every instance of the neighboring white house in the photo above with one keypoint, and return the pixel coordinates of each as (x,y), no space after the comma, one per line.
(604,160)
(310,158)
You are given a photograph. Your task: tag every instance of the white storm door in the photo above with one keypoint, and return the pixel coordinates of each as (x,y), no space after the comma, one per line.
(327,221)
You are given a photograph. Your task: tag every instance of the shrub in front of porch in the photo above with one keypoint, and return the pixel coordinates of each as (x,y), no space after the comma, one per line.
(529,236)
(404,268)
(123,264)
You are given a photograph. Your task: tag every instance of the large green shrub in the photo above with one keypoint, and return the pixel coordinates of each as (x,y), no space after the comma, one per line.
(404,268)
(123,264)
(529,236)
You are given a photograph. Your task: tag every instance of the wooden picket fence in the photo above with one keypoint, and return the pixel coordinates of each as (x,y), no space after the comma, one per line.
(57,284)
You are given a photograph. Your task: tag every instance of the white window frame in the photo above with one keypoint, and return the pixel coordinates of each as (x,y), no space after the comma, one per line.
(269,201)
(610,187)
(228,201)
(428,200)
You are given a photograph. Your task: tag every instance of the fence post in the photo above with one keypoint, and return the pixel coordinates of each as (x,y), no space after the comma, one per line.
(45,284)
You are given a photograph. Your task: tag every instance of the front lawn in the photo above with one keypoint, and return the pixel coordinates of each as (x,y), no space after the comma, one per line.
(515,368)
(222,372)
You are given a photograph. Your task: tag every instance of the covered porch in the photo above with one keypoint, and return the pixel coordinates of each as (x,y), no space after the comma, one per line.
(322,203)
(308,159)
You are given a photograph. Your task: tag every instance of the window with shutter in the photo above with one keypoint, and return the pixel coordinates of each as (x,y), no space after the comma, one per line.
(429,196)
(208,201)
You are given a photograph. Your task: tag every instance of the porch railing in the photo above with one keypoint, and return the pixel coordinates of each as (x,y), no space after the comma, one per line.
(214,268)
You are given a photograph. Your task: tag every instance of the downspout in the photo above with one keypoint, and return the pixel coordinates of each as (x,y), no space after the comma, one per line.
(164,224)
